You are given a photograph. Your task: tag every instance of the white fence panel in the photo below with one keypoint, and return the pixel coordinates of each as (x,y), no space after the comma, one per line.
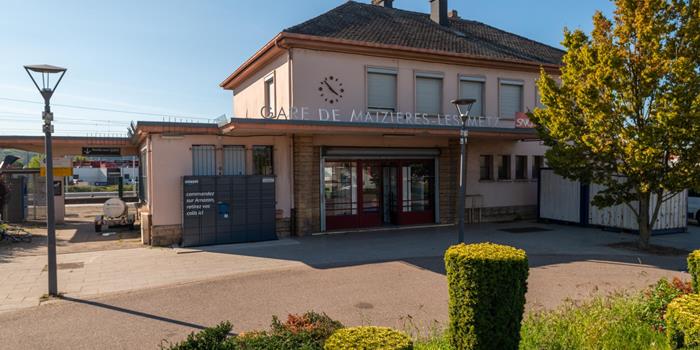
(560,199)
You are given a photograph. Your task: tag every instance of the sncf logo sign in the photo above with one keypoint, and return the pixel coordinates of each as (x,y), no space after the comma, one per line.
(522,121)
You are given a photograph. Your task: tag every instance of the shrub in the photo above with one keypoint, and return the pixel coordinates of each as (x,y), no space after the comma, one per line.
(683,321)
(487,284)
(611,322)
(308,331)
(212,338)
(368,338)
(694,269)
(657,298)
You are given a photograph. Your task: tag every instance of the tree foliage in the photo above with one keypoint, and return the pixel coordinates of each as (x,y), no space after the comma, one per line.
(35,162)
(625,112)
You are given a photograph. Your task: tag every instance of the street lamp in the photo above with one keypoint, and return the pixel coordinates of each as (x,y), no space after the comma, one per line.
(463,105)
(46,90)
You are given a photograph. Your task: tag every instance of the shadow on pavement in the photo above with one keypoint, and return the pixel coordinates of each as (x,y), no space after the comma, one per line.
(132,312)
(424,247)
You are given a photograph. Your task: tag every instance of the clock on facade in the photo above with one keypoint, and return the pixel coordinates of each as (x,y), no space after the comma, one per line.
(331,90)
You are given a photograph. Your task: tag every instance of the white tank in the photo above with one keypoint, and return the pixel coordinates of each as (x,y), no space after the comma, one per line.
(114,207)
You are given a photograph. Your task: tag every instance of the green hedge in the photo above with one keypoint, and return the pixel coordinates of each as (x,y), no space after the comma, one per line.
(487,284)
(212,338)
(683,321)
(368,338)
(694,269)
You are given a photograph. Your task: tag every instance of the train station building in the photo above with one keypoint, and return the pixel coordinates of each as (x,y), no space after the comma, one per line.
(345,122)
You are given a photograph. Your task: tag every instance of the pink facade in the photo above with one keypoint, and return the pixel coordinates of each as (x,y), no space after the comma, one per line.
(310,97)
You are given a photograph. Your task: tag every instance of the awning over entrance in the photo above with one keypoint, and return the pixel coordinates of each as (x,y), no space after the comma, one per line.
(251,126)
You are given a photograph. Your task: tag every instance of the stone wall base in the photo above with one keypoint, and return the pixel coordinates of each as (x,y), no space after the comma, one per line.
(284,227)
(509,213)
(166,235)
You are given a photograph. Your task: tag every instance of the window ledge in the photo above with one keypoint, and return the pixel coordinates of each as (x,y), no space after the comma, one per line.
(486,180)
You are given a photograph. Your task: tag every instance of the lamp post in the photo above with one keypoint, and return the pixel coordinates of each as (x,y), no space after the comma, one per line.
(46,90)
(463,105)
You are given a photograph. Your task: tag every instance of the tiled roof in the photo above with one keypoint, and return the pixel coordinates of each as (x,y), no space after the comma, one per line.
(379,25)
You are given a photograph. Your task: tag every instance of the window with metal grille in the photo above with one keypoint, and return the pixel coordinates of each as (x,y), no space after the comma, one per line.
(262,160)
(234,160)
(203,160)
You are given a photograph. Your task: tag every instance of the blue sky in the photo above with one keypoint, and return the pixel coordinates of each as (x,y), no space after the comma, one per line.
(167,58)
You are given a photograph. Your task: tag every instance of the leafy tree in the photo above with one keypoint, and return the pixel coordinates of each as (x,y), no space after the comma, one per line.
(625,112)
(35,162)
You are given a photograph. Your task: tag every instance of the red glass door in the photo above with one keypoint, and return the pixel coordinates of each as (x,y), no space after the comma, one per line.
(370,194)
(362,193)
(416,192)
(340,194)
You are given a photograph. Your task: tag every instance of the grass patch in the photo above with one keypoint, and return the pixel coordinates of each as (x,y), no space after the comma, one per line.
(619,322)
(614,322)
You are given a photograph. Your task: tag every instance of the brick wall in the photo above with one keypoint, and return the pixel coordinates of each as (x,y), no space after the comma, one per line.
(306,186)
(448,174)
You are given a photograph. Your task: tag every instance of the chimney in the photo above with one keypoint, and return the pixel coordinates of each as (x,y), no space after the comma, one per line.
(438,12)
(453,14)
(384,3)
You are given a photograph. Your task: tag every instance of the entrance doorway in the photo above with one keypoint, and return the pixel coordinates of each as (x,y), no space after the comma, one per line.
(367,193)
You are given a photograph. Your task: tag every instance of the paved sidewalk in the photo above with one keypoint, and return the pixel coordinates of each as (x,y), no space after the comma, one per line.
(24,281)
(89,274)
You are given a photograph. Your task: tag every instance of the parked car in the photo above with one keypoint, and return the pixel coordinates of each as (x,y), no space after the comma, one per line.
(694,205)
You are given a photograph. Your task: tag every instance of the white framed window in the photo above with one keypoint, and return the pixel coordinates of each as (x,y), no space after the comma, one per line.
(203,160)
(270,93)
(429,93)
(510,98)
(234,160)
(473,87)
(381,89)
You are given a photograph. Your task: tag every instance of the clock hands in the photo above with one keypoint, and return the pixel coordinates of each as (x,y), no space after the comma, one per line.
(330,88)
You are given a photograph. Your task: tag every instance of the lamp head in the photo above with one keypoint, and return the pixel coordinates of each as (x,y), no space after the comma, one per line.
(463,105)
(46,71)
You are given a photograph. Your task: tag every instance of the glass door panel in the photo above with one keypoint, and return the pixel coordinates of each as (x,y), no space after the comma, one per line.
(340,194)
(371,194)
(417,192)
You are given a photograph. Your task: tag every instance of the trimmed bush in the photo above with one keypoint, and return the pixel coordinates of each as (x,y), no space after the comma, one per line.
(683,321)
(694,269)
(487,284)
(368,338)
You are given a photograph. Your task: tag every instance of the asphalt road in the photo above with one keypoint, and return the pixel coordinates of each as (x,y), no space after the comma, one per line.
(409,294)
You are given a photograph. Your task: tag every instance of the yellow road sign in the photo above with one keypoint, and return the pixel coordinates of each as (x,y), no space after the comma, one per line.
(58,171)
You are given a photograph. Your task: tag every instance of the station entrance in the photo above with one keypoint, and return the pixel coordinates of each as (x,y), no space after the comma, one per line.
(375,192)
